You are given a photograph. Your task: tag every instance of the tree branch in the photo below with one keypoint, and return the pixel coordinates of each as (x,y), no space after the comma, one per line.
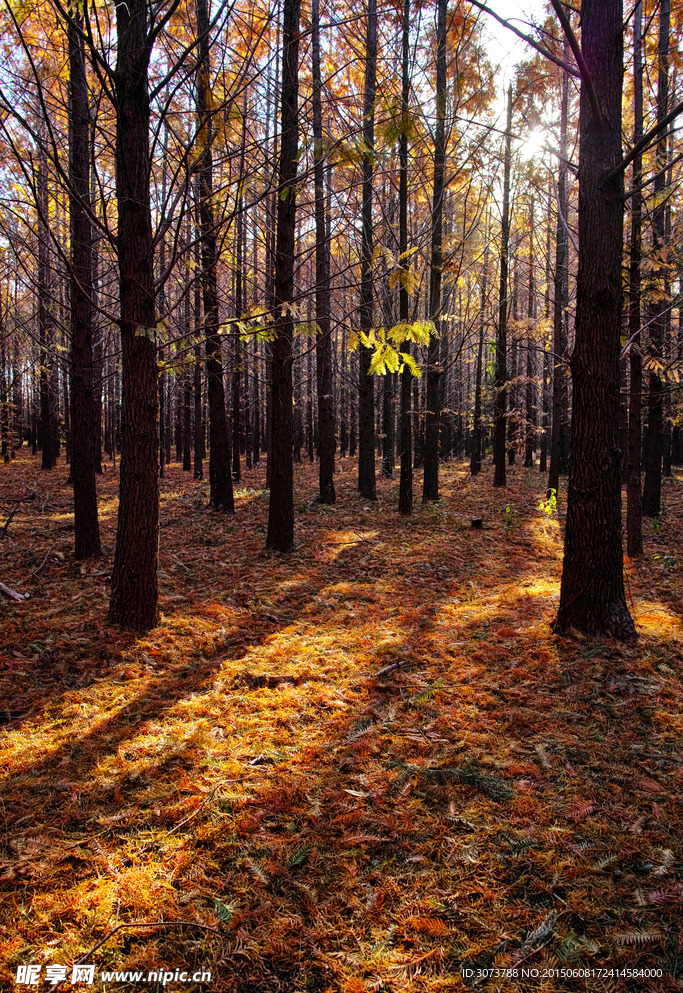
(580,61)
(645,141)
(528,39)
(651,179)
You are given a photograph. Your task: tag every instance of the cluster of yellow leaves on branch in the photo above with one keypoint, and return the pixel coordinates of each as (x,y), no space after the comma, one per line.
(366,766)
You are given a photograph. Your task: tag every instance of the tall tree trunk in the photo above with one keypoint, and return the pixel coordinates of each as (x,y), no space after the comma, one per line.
(530,433)
(558,443)
(4,392)
(475,444)
(198,439)
(405,486)
(366,385)
(134,590)
(652,487)
(45,323)
(634,508)
(501,340)
(281,508)
(592,598)
(547,352)
(323,342)
(98,356)
(220,478)
(238,432)
(86,524)
(271,211)
(430,484)
(161,310)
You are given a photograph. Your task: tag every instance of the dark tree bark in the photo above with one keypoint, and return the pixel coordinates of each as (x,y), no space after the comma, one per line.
(430,483)
(475,444)
(46,425)
(86,524)
(271,211)
(198,428)
(592,596)
(366,385)
(501,339)
(134,590)
(652,487)
(545,398)
(4,394)
(256,379)
(530,442)
(281,508)
(323,344)
(237,364)
(220,478)
(198,437)
(98,358)
(558,445)
(634,509)
(161,310)
(343,405)
(186,388)
(405,486)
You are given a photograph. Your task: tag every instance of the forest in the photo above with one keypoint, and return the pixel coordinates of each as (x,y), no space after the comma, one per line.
(341,477)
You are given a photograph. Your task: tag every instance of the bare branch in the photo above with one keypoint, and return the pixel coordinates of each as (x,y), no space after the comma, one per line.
(580,61)
(645,141)
(528,39)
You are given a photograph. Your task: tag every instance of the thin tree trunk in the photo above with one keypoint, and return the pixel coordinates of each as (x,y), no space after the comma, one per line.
(220,478)
(529,388)
(366,386)
(161,310)
(475,445)
(430,485)
(652,487)
(501,340)
(45,324)
(198,440)
(4,393)
(323,344)
(405,486)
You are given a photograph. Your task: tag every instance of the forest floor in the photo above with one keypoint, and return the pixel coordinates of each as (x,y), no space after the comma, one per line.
(366,766)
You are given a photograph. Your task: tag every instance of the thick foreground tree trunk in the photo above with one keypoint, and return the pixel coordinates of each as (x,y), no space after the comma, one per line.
(134,578)
(592,597)
(281,508)
(86,525)
(558,440)
(634,505)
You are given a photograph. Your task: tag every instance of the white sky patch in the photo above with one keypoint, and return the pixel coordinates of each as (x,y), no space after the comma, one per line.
(506,51)
(505,48)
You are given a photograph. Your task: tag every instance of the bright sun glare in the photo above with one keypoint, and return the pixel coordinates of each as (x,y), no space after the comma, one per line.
(534,144)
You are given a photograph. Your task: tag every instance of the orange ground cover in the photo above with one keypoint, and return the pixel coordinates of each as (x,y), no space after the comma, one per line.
(367,766)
